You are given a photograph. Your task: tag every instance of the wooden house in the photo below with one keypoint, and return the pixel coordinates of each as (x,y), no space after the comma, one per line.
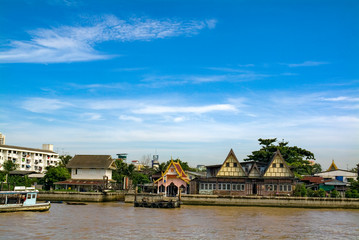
(248,178)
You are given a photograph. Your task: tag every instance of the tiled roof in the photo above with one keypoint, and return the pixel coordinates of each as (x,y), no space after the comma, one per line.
(91,161)
(312,179)
(81,182)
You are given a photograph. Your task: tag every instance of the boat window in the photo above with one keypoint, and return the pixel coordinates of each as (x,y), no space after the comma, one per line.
(34,195)
(29,196)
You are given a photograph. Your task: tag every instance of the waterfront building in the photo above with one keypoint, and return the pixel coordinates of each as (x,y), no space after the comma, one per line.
(333,172)
(246,178)
(173,180)
(89,173)
(29,159)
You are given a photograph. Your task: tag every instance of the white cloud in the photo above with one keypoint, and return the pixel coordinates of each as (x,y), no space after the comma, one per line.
(130,118)
(306,64)
(342,99)
(73,44)
(44,105)
(195,110)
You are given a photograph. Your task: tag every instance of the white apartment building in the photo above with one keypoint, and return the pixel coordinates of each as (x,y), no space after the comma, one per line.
(29,159)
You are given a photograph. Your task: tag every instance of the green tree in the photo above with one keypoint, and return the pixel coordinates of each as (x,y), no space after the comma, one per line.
(54,174)
(8,167)
(297,158)
(65,159)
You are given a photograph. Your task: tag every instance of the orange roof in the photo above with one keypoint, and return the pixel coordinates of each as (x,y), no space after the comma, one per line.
(180,173)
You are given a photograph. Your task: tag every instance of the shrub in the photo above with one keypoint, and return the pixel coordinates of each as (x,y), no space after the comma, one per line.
(321,193)
(334,194)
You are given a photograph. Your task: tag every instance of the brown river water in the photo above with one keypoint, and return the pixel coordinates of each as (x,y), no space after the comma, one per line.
(117,220)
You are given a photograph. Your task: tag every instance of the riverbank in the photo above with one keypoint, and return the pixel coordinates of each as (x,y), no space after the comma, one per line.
(81,196)
(260,201)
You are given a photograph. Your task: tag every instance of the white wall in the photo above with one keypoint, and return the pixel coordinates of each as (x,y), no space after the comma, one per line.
(84,173)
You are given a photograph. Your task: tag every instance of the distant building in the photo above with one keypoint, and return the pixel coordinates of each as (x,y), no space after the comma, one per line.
(246,178)
(201,167)
(122,156)
(333,172)
(155,162)
(89,173)
(2,139)
(29,159)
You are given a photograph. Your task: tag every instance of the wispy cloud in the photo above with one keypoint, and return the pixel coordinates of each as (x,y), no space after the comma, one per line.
(305,64)
(196,110)
(130,118)
(342,99)
(44,105)
(73,44)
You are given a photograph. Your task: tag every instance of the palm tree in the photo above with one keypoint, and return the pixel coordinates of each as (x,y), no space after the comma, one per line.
(8,167)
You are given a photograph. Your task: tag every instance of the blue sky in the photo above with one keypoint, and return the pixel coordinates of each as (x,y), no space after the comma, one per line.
(188,79)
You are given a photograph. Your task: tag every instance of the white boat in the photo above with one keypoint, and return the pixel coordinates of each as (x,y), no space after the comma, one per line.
(21,199)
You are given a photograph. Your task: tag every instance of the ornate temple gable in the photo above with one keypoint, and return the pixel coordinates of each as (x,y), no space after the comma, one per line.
(231,167)
(174,169)
(277,167)
(332,167)
(254,171)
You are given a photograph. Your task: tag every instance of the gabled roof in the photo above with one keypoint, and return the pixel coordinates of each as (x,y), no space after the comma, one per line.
(254,171)
(92,161)
(277,153)
(180,173)
(239,166)
(332,167)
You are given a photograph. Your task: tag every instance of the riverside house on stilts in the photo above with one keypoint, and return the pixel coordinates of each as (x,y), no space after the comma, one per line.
(247,178)
(173,180)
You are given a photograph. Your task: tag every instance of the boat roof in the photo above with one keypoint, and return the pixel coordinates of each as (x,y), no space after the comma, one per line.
(21,189)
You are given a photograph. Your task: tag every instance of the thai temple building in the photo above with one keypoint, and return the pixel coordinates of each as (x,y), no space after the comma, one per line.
(246,178)
(173,181)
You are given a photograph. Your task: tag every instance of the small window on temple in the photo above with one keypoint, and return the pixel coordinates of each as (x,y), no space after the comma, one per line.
(235,164)
(281,165)
(274,165)
(227,164)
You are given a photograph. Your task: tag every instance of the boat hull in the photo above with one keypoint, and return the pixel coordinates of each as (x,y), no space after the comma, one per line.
(39,207)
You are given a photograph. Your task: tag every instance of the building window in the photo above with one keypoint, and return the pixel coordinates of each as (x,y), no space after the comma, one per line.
(242,187)
(227,164)
(219,186)
(202,186)
(289,188)
(275,187)
(228,186)
(210,186)
(281,165)
(281,188)
(285,188)
(206,186)
(214,186)
(274,165)
(235,164)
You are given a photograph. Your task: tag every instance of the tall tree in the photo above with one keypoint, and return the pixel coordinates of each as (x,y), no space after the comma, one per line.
(298,158)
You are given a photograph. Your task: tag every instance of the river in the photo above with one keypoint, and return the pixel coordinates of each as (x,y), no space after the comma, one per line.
(117,220)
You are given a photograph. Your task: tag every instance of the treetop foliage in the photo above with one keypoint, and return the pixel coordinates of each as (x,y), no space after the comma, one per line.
(296,157)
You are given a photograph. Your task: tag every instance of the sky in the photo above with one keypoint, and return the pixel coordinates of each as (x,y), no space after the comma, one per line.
(182,79)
